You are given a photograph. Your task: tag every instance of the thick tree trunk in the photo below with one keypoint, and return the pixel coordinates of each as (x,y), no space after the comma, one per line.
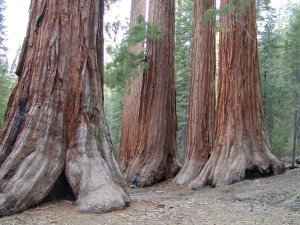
(155,152)
(131,107)
(55,122)
(199,137)
(241,147)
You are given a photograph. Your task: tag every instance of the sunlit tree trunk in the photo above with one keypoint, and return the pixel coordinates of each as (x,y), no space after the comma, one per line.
(130,123)
(156,153)
(199,137)
(241,147)
(55,122)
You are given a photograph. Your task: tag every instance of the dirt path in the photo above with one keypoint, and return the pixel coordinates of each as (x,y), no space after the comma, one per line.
(273,200)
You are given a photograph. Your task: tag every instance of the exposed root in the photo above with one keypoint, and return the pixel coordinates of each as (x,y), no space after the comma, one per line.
(145,173)
(108,198)
(189,172)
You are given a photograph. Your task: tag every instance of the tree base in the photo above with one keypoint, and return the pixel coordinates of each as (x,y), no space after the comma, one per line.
(148,174)
(189,172)
(221,170)
(108,198)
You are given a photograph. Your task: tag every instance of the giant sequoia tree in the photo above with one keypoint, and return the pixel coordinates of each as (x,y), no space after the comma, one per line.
(241,147)
(130,122)
(153,153)
(199,137)
(54,123)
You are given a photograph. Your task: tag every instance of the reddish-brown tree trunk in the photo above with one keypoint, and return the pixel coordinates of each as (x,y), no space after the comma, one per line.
(55,122)
(155,153)
(241,147)
(131,107)
(199,137)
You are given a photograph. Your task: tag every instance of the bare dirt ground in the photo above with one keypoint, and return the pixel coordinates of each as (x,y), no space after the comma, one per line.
(272,200)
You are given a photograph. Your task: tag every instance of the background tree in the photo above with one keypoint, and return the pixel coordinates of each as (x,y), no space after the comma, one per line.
(275,87)
(183,63)
(241,147)
(3,48)
(156,157)
(115,79)
(4,91)
(130,123)
(292,52)
(199,138)
(5,81)
(276,42)
(55,123)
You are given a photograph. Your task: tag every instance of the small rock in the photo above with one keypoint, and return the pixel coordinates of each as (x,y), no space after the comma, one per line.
(298,160)
(160,205)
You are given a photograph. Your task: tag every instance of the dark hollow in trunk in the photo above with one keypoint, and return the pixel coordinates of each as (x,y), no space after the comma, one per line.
(61,190)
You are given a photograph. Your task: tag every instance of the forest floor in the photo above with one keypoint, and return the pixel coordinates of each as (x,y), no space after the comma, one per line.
(272,200)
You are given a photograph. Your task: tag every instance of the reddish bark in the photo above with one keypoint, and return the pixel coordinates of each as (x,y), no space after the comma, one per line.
(241,147)
(154,155)
(130,124)
(55,122)
(199,137)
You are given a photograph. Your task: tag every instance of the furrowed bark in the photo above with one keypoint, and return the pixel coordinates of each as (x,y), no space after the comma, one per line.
(130,124)
(199,137)
(241,147)
(155,153)
(55,122)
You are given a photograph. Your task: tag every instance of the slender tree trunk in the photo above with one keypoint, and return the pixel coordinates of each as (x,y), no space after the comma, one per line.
(55,122)
(155,157)
(199,137)
(241,147)
(130,123)
(295,138)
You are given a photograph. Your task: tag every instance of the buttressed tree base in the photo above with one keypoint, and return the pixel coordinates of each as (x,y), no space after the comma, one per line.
(55,123)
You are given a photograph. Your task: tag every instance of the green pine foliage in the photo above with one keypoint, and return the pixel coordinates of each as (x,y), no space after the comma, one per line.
(3,48)
(113,107)
(292,51)
(292,55)
(5,82)
(124,62)
(4,93)
(123,65)
(278,56)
